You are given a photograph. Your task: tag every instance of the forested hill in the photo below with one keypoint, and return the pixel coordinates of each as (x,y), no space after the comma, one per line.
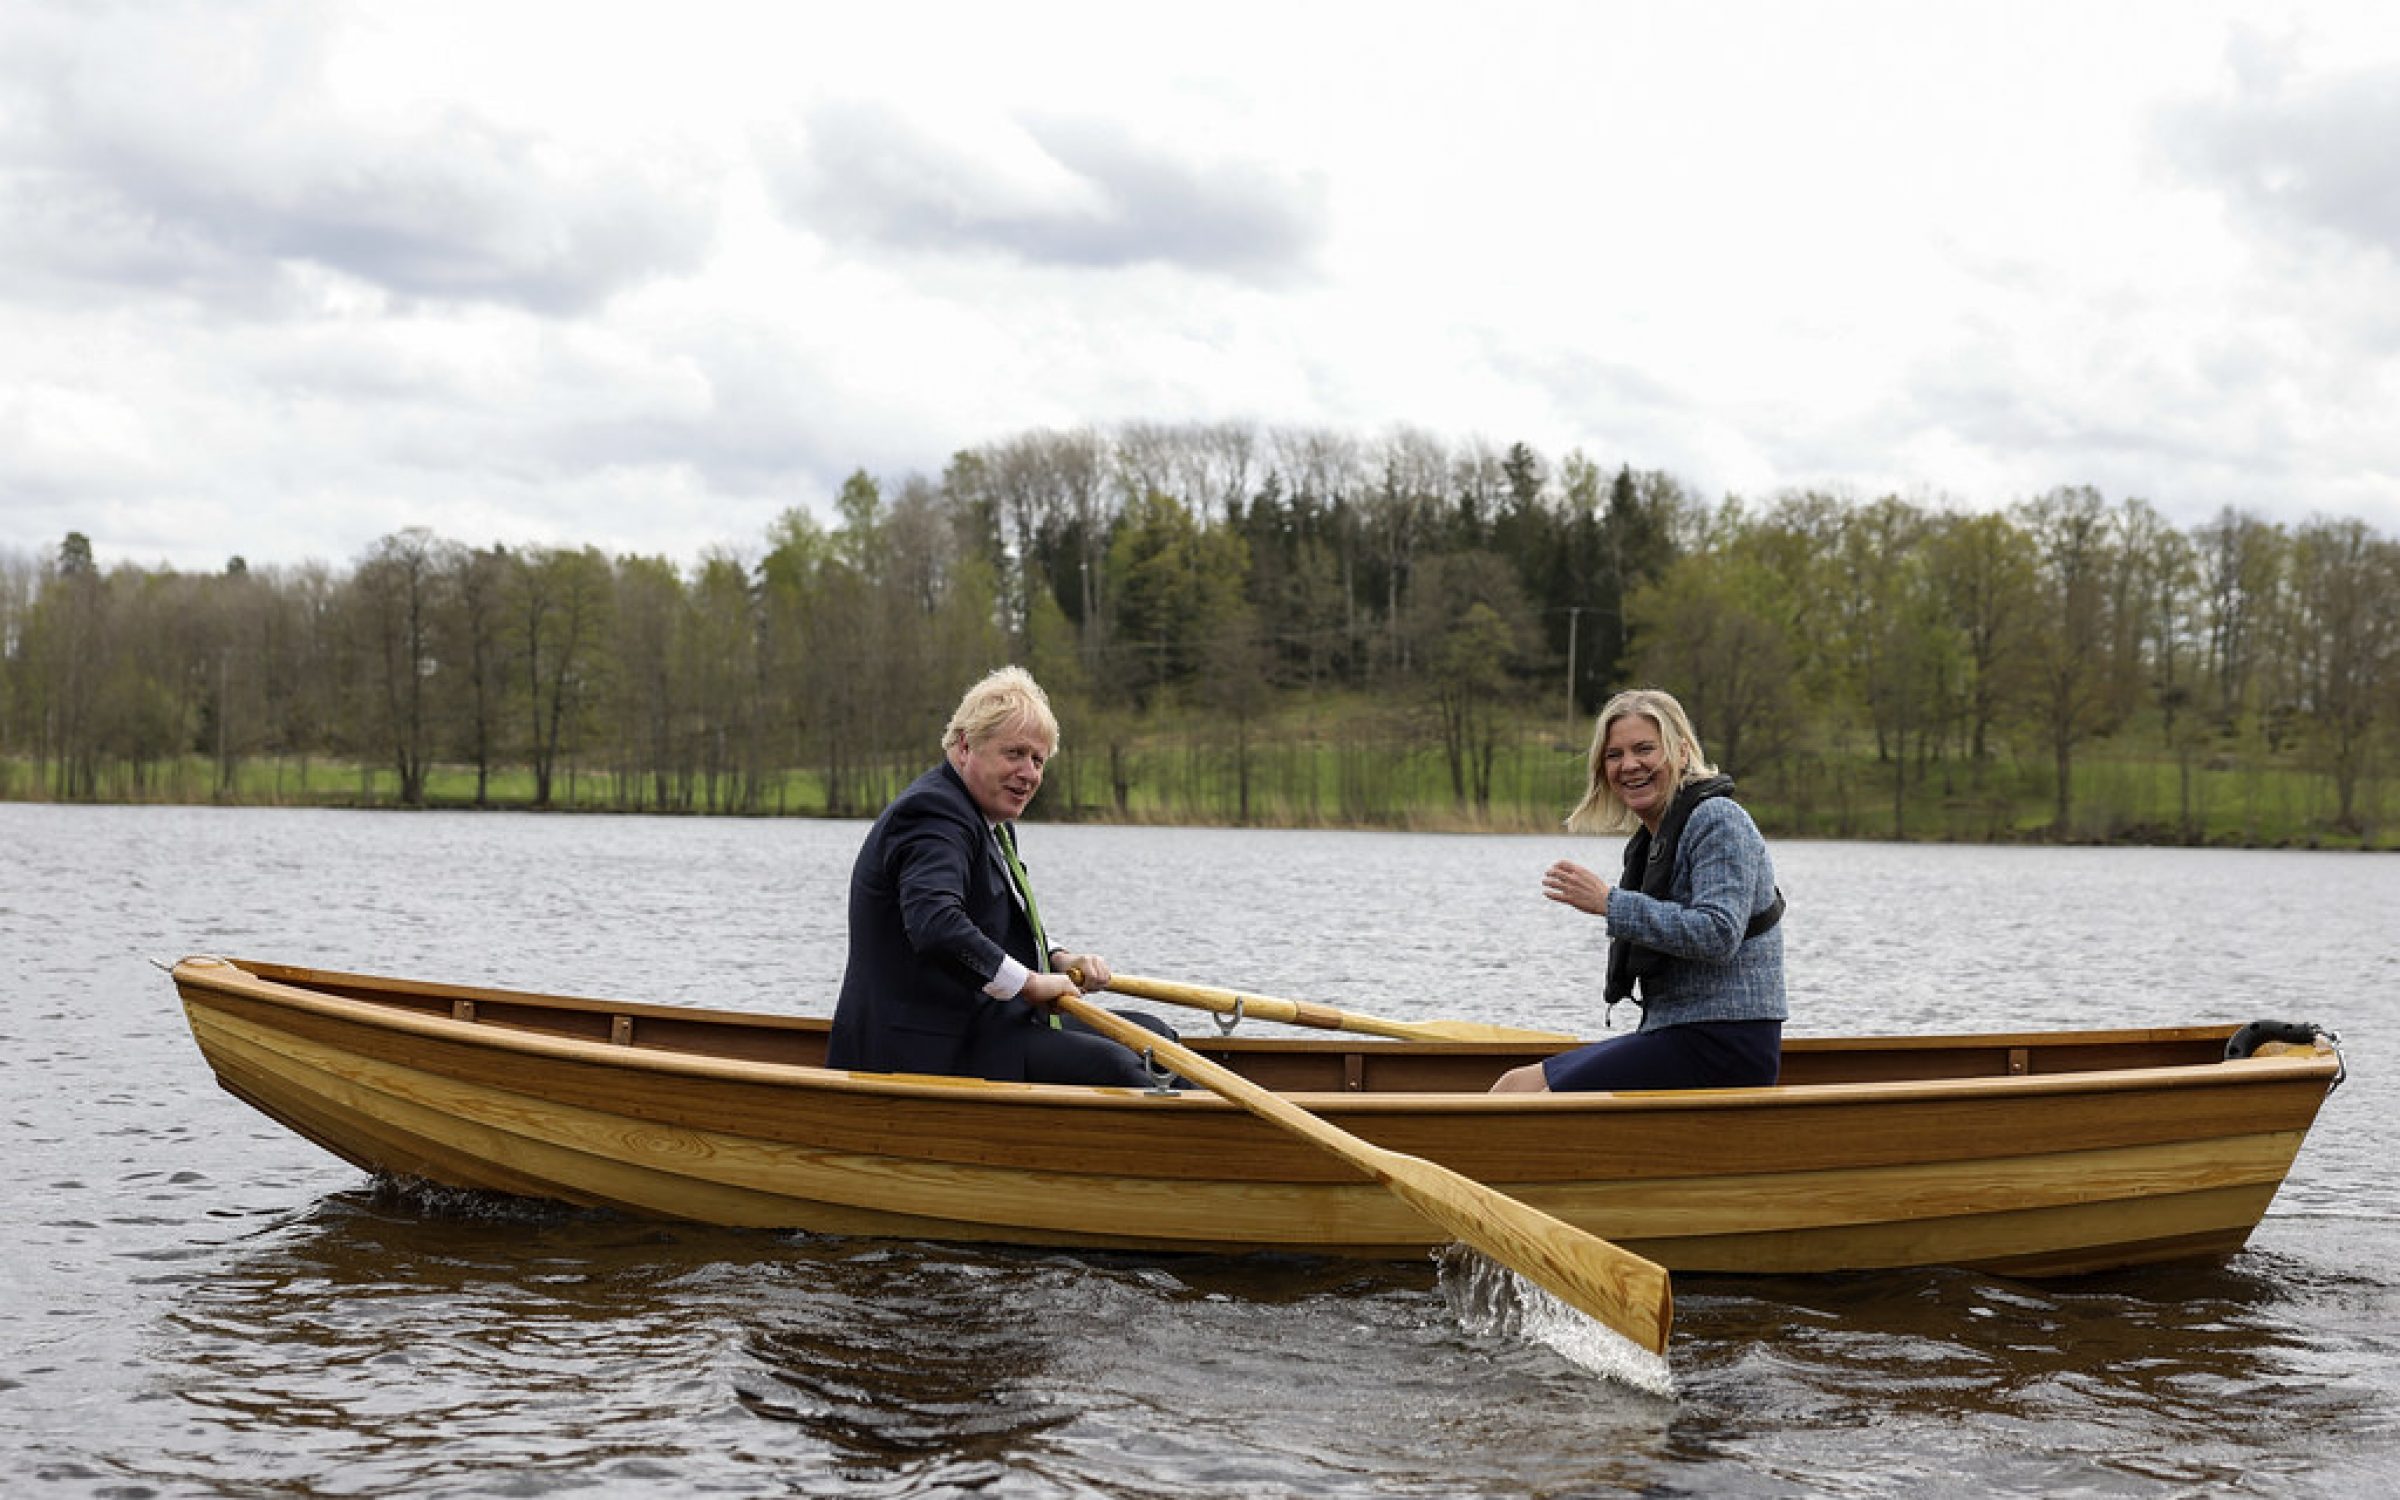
(1266,626)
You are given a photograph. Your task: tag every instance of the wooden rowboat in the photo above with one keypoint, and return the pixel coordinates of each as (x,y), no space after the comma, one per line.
(2039,1153)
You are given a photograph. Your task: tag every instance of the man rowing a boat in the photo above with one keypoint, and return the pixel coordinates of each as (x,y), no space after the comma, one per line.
(950,970)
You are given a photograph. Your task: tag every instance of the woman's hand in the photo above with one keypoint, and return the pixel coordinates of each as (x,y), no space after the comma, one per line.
(1570,884)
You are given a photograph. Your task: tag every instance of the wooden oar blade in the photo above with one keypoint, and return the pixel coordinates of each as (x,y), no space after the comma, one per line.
(1605,1282)
(1479,1031)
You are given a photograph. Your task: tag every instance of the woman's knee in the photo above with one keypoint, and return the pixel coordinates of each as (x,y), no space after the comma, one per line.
(1529,1079)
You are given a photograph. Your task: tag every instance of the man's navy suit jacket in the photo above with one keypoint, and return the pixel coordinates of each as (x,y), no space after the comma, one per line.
(931,912)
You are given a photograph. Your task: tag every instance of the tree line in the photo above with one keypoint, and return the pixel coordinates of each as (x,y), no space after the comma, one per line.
(1224,580)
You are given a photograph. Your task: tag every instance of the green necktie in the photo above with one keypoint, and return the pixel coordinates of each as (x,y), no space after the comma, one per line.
(1033,912)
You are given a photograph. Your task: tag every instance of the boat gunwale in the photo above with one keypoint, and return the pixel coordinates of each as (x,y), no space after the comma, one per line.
(237,977)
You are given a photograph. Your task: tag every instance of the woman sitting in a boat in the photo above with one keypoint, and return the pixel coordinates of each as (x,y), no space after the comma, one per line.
(1694,935)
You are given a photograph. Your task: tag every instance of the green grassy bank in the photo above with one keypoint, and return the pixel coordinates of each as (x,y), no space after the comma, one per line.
(1346,778)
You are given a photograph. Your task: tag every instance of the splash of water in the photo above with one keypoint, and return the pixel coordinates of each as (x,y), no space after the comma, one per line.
(1491,1301)
(420,1198)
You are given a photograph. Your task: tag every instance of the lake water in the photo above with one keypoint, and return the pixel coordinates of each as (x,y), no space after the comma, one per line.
(197,1302)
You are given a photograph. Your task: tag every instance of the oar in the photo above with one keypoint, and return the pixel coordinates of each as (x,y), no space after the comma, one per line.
(1324,1017)
(1612,1284)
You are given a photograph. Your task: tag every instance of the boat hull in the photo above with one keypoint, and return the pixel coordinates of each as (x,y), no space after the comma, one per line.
(1885,1153)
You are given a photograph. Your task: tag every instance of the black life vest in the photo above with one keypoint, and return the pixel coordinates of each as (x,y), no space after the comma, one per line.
(1650,869)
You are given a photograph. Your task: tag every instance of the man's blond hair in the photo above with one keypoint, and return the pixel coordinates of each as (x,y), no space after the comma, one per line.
(1002,698)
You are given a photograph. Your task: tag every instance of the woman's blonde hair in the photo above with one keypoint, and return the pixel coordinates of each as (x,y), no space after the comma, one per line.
(999,700)
(1602,810)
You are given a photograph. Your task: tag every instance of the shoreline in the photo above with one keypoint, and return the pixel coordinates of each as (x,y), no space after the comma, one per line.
(1440,821)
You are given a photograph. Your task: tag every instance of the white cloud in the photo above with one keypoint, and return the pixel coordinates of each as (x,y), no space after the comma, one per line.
(282,277)
(1046,190)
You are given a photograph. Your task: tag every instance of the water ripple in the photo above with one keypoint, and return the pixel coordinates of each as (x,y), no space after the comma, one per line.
(199,1302)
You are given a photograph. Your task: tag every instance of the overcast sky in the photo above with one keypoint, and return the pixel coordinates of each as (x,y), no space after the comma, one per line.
(277,279)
